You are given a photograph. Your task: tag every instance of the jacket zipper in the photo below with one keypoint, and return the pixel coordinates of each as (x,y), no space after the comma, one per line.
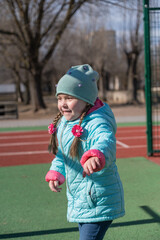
(64,156)
(66,165)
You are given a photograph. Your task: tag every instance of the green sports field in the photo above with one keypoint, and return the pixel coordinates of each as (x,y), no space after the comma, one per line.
(29,210)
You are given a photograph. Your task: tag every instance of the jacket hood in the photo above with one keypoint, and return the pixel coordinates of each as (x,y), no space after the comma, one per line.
(103,114)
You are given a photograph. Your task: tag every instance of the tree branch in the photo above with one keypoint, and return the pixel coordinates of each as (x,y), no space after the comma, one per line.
(13,11)
(73,7)
(10,34)
(119,3)
(40,15)
(53,21)
(25,18)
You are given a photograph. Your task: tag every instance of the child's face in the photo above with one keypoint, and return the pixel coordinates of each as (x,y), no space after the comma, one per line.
(70,107)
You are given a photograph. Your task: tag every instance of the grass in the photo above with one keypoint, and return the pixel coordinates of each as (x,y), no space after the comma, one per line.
(29,210)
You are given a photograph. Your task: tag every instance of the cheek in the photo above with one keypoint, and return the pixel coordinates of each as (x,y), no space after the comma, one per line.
(59,106)
(79,108)
(72,106)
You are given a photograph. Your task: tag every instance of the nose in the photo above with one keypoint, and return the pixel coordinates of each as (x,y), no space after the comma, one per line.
(63,103)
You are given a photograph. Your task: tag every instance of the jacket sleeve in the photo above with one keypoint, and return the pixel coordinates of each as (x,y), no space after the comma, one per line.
(93,153)
(57,169)
(103,145)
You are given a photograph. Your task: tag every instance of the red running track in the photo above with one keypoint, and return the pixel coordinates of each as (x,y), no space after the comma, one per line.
(20,148)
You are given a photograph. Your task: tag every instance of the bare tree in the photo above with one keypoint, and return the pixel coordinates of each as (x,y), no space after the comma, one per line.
(132,46)
(98,48)
(38,27)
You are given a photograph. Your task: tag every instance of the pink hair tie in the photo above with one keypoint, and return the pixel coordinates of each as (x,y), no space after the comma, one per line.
(77,130)
(51,128)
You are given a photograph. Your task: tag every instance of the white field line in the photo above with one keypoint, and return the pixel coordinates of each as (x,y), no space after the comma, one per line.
(23,144)
(23,153)
(131,131)
(140,146)
(135,146)
(135,137)
(45,134)
(46,152)
(25,136)
(41,136)
(136,130)
(122,144)
(46,142)
(138,137)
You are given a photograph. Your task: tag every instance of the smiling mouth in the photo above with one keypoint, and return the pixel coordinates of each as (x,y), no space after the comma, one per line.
(66,111)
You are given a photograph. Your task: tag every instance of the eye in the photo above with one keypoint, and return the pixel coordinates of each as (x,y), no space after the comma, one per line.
(70,98)
(58,99)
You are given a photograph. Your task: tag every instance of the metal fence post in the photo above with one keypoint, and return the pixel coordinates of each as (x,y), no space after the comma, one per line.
(148,77)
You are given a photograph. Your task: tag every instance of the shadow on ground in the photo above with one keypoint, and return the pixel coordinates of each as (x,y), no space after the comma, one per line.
(155,219)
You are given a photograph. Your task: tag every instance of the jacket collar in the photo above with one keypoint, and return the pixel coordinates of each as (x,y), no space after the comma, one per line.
(98,103)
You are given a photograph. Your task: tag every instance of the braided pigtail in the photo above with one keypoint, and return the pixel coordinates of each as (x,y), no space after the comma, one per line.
(76,141)
(53,140)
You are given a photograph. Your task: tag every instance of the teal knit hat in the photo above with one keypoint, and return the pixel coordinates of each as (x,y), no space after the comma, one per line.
(80,82)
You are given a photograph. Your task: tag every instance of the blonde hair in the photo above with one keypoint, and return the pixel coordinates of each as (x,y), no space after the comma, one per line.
(53,140)
(76,141)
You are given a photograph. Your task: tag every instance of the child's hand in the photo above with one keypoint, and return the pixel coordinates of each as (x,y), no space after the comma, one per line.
(91,165)
(54,186)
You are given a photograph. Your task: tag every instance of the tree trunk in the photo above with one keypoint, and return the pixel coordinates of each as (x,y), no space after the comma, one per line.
(36,92)
(19,93)
(103,86)
(27,88)
(27,98)
(130,60)
(135,78)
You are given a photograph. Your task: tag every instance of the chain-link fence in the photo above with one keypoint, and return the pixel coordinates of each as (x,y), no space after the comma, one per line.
(152,73)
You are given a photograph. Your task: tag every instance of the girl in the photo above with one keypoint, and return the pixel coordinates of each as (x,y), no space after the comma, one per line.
(83,140)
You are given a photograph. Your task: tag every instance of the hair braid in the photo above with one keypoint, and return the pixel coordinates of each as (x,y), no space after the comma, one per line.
(76,141)
(53,140)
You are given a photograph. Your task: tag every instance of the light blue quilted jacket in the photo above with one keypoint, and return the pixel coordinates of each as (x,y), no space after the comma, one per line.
(98,197)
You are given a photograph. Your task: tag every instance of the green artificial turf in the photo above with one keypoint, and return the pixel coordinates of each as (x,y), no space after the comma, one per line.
(29,128)
(29,210)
